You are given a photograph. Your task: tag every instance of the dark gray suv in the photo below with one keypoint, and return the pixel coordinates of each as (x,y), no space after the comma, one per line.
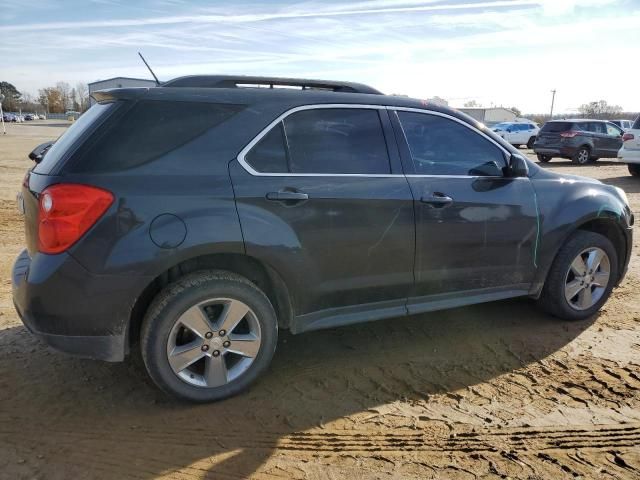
(195,220)
(582,141)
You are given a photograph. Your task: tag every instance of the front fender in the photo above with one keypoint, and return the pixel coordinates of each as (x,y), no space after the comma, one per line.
(566,205)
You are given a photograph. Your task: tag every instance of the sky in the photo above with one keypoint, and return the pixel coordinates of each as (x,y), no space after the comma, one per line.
(497,52)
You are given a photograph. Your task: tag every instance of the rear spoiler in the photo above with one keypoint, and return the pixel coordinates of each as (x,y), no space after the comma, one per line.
(38,153)
(113,94)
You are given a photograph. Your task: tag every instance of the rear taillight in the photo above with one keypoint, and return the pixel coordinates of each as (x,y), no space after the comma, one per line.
(627,136)
(66,212)
(569,134)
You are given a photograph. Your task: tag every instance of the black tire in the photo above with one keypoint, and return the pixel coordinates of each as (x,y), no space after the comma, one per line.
(531,142)
(552,300)
(582,156)
(634,169)
(544,158)
(516,145)
(178,297)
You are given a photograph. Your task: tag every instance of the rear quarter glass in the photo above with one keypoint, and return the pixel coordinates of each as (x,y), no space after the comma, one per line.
(146,131)
(636,124)
(70,138)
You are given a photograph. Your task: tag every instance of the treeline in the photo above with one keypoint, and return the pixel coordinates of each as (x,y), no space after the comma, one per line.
(59,98)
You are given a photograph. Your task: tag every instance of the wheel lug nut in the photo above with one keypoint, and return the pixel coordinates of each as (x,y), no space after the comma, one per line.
(226,344)
(208,335)
(222,333)
(205,348)
(216,353)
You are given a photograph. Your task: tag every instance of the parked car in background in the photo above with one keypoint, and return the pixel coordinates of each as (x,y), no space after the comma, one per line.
(517,133)
(42,116)
(629,153)
(581,140)
(371,207)
(29,116)
(623,124)
(9,117)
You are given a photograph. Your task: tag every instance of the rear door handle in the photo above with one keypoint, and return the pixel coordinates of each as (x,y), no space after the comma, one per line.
(437,200)
(287,196)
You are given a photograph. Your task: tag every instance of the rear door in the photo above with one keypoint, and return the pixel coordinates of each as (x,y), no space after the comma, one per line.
(549,135)
(476,229)
(322,199)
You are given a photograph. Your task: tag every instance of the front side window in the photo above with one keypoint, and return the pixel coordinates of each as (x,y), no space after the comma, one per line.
(613,131)
(440,146)
(324,141)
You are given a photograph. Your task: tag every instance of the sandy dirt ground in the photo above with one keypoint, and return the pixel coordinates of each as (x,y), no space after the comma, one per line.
(492,391)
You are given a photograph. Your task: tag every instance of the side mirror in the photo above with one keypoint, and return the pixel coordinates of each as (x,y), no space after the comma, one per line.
(518,166)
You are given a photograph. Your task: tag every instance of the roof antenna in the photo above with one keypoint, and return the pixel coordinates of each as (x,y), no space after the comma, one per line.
(154,75)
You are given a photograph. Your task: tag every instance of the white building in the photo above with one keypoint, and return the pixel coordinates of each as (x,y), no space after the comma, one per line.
(119,82)
(490,116)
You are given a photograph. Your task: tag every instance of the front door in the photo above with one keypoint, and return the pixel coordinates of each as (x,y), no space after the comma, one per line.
(476,230)
(323,200)
(613,140)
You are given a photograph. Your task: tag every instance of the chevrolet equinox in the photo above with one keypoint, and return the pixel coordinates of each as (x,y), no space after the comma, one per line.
(196,219)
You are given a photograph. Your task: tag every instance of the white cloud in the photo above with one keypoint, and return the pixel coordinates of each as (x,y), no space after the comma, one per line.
(505,52)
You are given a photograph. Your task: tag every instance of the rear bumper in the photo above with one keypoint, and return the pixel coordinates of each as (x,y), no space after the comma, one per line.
(73,310)
(555,151)
(627,156)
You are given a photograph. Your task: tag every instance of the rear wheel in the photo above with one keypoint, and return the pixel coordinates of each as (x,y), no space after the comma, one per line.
(544,158)
(581,277)
(208,336)
(531,142)
(634,169)
(582,156)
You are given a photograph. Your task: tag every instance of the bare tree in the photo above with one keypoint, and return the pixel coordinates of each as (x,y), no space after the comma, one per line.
(65,94)
(472,104)
(82,96)
(599,109)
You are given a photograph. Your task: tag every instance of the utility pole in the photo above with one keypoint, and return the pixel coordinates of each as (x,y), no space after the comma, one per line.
(553,98)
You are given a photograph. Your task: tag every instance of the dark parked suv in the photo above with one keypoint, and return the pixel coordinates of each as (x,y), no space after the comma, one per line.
(196,219)
(582,141)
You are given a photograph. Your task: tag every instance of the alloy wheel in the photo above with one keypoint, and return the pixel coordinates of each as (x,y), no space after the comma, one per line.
(587,278)
(583,156)
(214,342)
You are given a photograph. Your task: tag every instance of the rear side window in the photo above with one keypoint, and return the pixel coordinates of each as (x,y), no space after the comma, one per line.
(555,127)
(67,140)
(324,141)
(147,131)
(440,146)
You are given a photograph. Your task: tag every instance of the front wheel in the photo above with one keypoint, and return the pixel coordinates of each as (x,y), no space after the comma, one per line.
(582,156)
(634,169)
(208,336)
(544,158)
(581,277)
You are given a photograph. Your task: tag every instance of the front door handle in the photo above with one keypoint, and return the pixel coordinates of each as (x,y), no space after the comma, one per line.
(287,196)
(437,200)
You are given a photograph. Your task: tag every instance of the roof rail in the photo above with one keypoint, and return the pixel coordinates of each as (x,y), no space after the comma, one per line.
(239,81)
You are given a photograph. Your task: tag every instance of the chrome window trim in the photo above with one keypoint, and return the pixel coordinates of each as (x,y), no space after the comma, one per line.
(241,157)
(450,117)
(243,153)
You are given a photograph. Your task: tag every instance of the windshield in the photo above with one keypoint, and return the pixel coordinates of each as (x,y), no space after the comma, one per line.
(69,137)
